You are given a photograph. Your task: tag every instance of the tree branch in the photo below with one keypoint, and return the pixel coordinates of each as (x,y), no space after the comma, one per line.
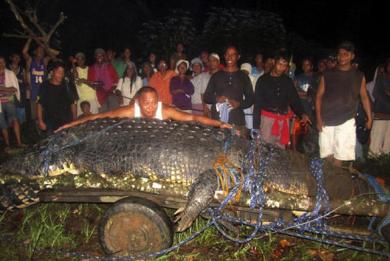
(32,16)
(54,28)
(42,38)
(20,36)
(19,18)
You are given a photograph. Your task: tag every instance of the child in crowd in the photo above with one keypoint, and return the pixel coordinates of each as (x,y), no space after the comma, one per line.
(85,108)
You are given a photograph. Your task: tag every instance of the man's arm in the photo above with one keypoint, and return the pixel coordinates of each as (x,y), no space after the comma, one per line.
(297,106)
(366,103)
(25,53)
(248,94)
(8,90)
(41,123)
(73,108)
(171,113)
(209,96)
(318,103)
(122,112)
(257,104)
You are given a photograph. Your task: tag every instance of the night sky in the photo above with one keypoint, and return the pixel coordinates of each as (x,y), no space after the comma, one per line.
(115,23)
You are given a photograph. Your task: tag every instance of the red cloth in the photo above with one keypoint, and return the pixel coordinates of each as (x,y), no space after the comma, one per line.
(109,80)
(284,132)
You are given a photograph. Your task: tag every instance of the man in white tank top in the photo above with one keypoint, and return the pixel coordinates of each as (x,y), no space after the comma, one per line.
(158,115)
(146,105)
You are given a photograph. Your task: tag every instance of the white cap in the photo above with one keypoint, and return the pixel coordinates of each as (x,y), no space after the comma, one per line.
(180,62)
(215,55)
(246,67)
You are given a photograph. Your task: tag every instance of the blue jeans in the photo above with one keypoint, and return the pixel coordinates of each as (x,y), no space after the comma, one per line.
(8,114)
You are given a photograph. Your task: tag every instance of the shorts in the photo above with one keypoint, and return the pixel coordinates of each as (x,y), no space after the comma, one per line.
(339,141)
(8,114)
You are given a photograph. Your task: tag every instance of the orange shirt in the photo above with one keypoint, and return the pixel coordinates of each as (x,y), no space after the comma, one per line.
(161,84)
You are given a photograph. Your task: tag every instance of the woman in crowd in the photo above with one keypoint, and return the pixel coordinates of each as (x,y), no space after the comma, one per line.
(181,87)
(128,85)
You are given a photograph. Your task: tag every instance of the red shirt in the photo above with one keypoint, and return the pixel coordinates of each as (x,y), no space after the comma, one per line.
(106,74)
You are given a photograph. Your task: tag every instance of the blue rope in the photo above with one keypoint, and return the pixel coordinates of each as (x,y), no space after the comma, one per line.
(383,196)
(322,198)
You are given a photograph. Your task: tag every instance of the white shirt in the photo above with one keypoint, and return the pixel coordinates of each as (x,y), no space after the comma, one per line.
(158,115)
(124,87)
(200,84)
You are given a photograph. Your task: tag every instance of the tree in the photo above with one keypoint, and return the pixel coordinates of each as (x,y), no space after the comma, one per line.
(252,31)
(32,27)
(163,35)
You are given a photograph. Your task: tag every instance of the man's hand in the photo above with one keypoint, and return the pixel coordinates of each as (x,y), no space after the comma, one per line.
(305,120)
(206,110)
(8,90)
(42,125)
(177,91)
(225,125)
(369,123)
(235,104)
(221,99)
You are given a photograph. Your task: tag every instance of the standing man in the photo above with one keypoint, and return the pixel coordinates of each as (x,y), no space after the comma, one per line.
(36,73)
(229,91)
(380,133)
(306,84)
(275,93)
(56,103)
(258,69)
(104,76)
(20,73)
(9,90)
(336,104)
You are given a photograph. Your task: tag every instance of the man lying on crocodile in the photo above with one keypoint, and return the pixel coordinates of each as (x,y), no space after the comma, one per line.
(146,105)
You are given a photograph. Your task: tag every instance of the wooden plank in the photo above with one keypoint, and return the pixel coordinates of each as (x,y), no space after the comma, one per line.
(366,207)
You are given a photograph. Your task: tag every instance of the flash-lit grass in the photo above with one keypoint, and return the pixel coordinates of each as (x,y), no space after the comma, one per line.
(51,226)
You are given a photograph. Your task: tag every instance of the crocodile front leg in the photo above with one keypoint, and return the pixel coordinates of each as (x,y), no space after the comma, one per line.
(199,197)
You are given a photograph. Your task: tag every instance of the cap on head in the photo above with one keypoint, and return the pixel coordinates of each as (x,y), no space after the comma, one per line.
(197,60)
(100,51)
(246,67)
(215,55)
(80,55)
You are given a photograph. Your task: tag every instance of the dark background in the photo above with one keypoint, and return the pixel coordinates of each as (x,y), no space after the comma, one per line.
(116,23)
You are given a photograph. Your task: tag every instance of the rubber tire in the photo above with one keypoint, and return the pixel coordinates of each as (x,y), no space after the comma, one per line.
(385,231)
(120,233)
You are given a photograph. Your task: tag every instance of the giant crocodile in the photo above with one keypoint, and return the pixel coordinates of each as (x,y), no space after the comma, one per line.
(168,158)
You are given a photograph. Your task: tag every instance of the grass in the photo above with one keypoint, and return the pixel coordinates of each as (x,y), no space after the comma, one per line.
(68,226)
(42,229)
(47,226)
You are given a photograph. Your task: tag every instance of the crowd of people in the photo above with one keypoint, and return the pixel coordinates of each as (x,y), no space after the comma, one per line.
(264,95)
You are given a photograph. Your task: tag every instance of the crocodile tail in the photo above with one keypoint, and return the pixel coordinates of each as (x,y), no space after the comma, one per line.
(15,194)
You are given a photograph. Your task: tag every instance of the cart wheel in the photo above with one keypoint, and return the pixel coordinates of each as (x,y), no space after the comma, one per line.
(385,231)
(134,226)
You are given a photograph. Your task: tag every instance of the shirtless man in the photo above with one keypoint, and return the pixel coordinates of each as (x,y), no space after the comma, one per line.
(146,105)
